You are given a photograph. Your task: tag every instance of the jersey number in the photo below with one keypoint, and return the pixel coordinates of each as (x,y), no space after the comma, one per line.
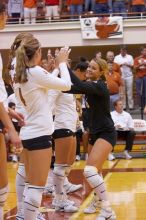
(21,97)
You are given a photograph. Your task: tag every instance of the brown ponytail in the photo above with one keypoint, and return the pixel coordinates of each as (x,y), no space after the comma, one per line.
(24,55)
(13,49)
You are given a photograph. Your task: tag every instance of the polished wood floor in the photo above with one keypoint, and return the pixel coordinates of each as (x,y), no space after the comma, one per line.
(126,185)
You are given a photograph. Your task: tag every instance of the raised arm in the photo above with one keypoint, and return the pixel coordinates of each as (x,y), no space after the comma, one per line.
(87,87)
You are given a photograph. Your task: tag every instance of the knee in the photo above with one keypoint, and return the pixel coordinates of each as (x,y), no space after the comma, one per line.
(132,133)
(3,195)
(89,171)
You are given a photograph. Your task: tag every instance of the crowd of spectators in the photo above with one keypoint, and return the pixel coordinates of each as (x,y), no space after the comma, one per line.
(32,10)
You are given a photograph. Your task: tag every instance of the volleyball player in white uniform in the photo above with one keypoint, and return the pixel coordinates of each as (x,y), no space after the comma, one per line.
(8,124)
(35,134)
(65,146)
(20,177)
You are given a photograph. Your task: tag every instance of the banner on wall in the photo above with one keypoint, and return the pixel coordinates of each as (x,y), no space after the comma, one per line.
(102,27)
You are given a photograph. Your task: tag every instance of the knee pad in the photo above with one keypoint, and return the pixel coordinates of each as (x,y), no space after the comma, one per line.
(67,170)
(34,196)
(21,170)
(59,169)
(3,195)
(89,171)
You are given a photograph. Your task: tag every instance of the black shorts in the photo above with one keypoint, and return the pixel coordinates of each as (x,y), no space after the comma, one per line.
(38,143)
(86,118)
(110,137)
(1,127)
(60,133)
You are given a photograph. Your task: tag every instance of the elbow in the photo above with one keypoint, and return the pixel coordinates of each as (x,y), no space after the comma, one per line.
(67,87)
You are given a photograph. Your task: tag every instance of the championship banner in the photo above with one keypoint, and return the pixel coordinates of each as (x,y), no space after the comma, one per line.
(102,27)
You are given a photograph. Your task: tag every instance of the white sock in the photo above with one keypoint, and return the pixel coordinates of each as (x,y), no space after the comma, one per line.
(58,178)
(20,184)
(67,172)
(50,182)
(32,202)
(95,181)
(1,213)
(3,197)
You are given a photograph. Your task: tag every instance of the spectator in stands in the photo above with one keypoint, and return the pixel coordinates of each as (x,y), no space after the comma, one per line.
(124,126)
(137,5)
(30,11)
(126,63)
(98,55)
(53,9)
(140,73)
(110,59)
(115,85)
(15,10)
(89,5)
(75,7)
(101,7)
(118,6)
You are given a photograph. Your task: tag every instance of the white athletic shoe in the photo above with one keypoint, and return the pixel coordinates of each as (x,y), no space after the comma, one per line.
(70,188)
(93,206)
(106,213)
(40,216)
(55,202)
(111,157)
(49,190)
(63,205)
(20,215)
(14,158)
(127,155)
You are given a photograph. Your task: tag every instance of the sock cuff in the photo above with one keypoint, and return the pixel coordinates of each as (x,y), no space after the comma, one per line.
(90,169)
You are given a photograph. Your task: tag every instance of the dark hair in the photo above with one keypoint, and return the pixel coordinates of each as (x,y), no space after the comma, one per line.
(2,7)
(83,59)
(82,66)
(11,104)
(116,102)
(123,47)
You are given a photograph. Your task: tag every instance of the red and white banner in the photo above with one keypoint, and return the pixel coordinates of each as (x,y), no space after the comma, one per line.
(102,27)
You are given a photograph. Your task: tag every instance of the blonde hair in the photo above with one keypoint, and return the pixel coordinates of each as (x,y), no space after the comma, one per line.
(24,55)
(103,67)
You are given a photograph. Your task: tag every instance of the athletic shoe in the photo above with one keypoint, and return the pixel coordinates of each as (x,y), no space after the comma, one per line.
(55,202)
(70,188)
(127,155)
(106,213)
(63,205)
(49,190)
(40,216)
(78,158)
(14,158)
(20,215)
(111,157)
(93,206)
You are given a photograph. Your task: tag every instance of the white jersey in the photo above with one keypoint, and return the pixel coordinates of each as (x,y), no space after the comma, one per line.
(65,110)
(3,93)
(39,120)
